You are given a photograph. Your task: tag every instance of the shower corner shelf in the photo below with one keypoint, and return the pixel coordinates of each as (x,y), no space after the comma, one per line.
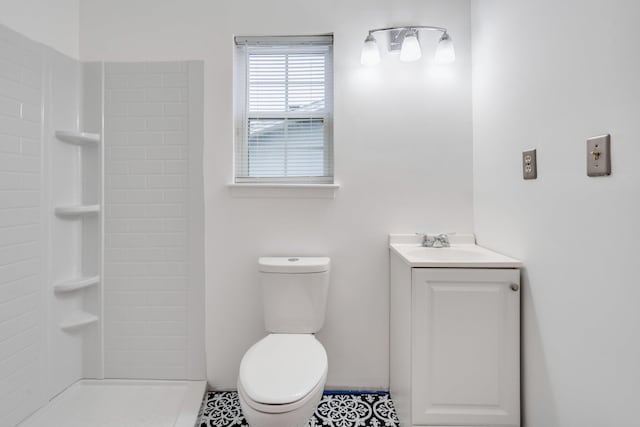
(78,320)
(76,210)
(77,138)
(76,284)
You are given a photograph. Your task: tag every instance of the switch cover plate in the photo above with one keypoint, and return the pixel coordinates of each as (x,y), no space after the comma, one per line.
(599,155)
(529,164)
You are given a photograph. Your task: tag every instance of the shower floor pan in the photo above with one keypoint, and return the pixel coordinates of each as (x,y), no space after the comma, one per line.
(123,403)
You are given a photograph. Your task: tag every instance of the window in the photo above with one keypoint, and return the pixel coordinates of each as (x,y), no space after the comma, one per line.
(284,110)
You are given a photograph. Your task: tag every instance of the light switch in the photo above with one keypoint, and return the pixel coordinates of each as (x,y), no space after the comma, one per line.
(529,164)
(599,155)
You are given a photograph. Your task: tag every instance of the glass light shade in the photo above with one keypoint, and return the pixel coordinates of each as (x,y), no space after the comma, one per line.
(410,50)
(445,53)
(370,52)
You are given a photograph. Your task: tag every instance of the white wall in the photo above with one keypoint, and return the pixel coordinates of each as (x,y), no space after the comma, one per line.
(53,23)
(402,148)
(549,74)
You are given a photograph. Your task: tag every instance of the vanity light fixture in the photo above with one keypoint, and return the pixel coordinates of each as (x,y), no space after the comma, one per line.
(406,41)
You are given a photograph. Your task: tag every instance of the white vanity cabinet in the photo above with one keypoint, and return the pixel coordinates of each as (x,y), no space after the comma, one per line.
(455,341)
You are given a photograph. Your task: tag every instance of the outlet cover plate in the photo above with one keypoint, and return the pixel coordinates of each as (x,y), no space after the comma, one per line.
(529,164)
(599,155)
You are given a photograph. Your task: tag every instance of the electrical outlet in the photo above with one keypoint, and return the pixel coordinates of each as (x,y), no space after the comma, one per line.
(529,164)
(599,155)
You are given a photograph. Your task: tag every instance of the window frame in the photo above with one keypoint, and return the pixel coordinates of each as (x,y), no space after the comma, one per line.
(244,46)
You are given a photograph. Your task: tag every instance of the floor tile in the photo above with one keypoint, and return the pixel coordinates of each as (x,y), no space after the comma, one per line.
(222,409)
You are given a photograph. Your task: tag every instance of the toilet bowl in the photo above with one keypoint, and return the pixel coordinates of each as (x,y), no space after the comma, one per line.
(281,380)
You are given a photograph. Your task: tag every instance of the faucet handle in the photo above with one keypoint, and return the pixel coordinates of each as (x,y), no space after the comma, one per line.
(427,240)
(442,240)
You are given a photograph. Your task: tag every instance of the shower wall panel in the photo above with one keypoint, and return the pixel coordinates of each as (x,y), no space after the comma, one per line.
(153,223)
(21,228)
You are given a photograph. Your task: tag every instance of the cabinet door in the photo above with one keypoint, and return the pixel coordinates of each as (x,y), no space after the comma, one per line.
(466,347)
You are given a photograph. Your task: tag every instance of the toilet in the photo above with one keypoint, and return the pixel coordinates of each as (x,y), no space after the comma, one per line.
(282,376)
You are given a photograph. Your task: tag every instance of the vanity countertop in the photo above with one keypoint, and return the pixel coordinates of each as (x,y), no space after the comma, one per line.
(463,253)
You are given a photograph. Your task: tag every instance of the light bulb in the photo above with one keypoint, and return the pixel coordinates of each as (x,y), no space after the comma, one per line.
(445,53)
(410,50)
(370,52)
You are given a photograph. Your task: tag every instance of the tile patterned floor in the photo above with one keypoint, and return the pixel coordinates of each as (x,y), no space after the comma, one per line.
(222,409)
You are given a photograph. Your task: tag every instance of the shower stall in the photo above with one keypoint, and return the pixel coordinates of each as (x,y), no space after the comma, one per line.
(101,251)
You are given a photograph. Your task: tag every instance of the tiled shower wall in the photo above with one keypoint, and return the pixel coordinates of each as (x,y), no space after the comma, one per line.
(153,221)
(154,281)
(21,228)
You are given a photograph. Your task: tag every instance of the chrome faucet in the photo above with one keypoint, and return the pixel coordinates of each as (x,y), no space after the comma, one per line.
(437,241)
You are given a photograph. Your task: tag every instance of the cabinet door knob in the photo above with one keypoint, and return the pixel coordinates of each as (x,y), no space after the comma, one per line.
(514,287)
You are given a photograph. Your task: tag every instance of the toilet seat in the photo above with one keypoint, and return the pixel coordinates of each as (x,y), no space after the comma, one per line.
(278,372)
(283,408)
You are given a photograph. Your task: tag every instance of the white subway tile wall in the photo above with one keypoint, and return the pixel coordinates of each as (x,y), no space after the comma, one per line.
(21,244)
(146,232)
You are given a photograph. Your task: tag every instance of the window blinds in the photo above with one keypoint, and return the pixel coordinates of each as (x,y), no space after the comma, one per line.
(284,109)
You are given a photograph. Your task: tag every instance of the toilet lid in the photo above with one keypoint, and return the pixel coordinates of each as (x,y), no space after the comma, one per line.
(293,265)
(282,368)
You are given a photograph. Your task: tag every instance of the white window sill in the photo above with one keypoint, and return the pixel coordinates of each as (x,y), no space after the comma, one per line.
(284,191)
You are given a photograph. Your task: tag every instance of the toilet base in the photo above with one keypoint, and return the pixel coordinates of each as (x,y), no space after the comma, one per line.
(298,417)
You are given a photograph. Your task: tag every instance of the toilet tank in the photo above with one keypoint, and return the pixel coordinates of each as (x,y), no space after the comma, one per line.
(294,293)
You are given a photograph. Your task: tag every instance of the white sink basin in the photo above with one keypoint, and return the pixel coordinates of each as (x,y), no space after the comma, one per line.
(450,253)
(458,255)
